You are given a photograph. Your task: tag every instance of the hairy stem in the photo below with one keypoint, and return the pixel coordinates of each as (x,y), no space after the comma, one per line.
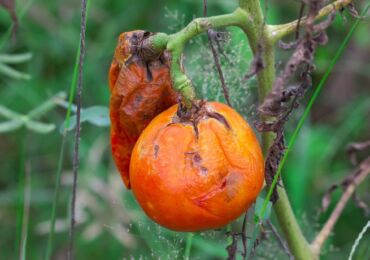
(279,31)
(175,44)
(258,34)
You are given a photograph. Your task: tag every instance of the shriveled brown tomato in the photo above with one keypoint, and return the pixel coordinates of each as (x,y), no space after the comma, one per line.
(198,170)
(140,89)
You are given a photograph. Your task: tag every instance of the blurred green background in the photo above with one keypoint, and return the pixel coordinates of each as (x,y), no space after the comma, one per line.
(110,225)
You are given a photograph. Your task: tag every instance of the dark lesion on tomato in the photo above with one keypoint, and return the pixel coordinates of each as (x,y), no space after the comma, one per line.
(156,150)
(196,162)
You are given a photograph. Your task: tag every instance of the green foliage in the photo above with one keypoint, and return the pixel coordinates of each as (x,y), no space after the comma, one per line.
(16,120)
(14,59)
(95,115)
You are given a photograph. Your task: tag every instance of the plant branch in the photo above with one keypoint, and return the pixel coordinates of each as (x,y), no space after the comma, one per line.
(175,44)
(258,34)
(281,241)
(279,31)
(359,176)
(210,34)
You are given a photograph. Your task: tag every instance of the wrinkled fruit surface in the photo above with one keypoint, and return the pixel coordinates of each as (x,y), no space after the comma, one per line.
(197,173)
(140,89)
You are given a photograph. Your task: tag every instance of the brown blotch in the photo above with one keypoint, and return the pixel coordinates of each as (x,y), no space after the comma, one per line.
(196,158)
(203,170)
(223,184)
(138,98)
(156,150)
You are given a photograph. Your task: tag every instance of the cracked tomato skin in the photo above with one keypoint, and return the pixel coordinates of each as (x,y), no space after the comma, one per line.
(189,182)
(139,91)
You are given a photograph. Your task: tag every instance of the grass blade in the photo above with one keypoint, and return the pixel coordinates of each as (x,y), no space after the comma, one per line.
(20,195)
(26,210)
(357,241)
(189,241)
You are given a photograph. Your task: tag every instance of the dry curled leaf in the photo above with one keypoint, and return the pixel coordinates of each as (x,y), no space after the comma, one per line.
(353,11)
(350,179)
(141,88)
(325,202)
(361,204)
(354,148)
(284,97)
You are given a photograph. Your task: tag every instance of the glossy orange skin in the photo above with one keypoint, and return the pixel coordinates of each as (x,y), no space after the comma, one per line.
(187,183)
(135,98)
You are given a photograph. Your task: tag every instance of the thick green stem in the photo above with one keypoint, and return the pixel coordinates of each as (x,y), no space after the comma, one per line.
(298,244)
(175,44)
(258,33)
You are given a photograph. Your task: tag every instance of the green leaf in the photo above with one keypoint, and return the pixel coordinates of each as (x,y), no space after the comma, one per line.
(15,58)
(11,125)
(96,115)
(5,112)
(12,73)
(41,128)
(46,106)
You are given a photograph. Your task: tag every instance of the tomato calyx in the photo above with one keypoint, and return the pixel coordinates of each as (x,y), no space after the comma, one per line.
(196,113)
(142,54)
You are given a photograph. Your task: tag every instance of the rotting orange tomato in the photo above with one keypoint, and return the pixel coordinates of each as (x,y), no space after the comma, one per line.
(198,170)
(140,89)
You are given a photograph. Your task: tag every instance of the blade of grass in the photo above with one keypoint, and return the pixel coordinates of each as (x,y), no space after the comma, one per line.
(72,90)
(21,192)
(189,241)
(358,239)
(26,210)
(292,141)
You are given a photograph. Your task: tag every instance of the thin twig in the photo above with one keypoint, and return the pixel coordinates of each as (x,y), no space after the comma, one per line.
(76,160)
(280,239)
(256,242)
(216,59)
(244,234)
(301,10)
(359,175)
